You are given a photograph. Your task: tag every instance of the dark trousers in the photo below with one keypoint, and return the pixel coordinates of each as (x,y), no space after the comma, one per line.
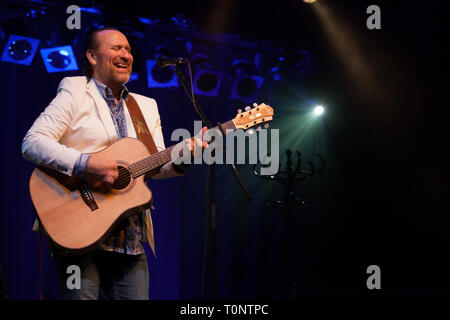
(117,276)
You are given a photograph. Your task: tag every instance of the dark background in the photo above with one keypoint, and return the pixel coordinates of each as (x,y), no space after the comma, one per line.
(381,200)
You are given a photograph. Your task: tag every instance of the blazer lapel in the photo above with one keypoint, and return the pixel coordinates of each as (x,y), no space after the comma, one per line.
(103,110)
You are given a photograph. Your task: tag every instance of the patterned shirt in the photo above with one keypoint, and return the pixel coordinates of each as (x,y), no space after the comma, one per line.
(132,227)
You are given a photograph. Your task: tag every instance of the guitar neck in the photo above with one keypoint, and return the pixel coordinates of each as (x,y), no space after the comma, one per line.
(159,159)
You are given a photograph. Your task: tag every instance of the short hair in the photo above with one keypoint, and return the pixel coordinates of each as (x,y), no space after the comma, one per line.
(91,43)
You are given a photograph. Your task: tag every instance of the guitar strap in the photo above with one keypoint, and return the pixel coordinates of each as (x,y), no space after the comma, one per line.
(143,135)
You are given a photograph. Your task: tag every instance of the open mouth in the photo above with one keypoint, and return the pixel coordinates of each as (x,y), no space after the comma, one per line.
(122,66)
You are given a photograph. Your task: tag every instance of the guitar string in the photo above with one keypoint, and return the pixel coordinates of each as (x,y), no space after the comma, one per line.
(153,161)
(147,164)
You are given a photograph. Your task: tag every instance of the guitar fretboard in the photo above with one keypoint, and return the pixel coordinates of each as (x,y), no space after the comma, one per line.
(158,159)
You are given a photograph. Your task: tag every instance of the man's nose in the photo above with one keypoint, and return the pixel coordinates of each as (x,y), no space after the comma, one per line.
(125,55)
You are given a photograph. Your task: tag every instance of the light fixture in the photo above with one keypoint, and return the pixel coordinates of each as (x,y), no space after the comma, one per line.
(279,70)
(246,86)
(207,82)
(301,62)
(161,77)
(20,50)
(59,59)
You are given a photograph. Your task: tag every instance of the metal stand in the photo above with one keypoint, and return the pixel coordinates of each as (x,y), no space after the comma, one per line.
(289,179)
(212,188)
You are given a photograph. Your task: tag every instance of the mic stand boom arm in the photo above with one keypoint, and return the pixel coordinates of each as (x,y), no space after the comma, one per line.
(208,124)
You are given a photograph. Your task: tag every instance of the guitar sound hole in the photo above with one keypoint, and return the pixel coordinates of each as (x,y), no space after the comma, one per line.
(123,180)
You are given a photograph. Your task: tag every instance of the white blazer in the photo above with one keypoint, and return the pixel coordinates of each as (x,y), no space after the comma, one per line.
(78,120)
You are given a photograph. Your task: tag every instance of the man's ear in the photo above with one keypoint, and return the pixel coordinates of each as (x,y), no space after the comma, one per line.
(91,56)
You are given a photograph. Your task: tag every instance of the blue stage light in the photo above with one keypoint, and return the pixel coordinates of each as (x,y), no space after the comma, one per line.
(59,59)
(247,88)
(20,50)
(247,85)
(207,82)
(160,77)
(276,73)
(90,10)
(145,20)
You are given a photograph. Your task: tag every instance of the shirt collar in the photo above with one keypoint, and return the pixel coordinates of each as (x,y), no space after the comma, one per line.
(107,92)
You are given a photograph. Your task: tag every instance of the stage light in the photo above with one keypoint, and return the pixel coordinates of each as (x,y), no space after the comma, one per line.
(20,50)
(180,20)
(207,82)
(309,1)
(246,86)
(319,110)
(145,20)
(90,10)
(59,59)
(291,64)
(276,73)
(161,77)
(301,62)
(279,70)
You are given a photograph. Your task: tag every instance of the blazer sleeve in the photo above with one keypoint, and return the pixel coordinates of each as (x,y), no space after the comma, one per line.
(41,143)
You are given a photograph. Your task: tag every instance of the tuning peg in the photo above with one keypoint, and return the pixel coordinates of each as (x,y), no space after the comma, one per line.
(258,128)
(247,108)
(266,125)
(255,104)
(239,110)
(250,131)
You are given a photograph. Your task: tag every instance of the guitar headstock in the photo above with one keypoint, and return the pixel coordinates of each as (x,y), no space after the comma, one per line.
(259,114)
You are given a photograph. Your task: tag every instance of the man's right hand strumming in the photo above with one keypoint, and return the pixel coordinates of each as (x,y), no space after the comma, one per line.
(102,170)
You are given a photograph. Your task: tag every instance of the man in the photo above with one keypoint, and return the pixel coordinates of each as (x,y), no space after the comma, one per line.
(87,115)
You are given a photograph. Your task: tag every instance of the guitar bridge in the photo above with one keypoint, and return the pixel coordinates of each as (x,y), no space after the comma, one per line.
(87,197)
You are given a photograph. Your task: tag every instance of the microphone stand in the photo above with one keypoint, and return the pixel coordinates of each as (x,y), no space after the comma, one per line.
(211,173)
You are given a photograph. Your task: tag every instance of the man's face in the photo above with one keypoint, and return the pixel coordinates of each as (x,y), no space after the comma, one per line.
(111,60)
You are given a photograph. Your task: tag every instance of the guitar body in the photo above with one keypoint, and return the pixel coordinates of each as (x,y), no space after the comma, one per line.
(79,216)
(72,223)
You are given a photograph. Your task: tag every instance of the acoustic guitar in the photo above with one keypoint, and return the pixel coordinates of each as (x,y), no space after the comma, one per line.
(78,215)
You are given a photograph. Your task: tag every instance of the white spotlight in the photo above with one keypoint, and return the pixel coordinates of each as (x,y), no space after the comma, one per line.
(319,110)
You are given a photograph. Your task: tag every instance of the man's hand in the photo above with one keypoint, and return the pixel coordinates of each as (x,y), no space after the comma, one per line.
(195,142)
(102,170)
(194,146)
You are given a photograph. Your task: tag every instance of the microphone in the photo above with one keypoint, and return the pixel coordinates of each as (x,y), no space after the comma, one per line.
(164,61)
